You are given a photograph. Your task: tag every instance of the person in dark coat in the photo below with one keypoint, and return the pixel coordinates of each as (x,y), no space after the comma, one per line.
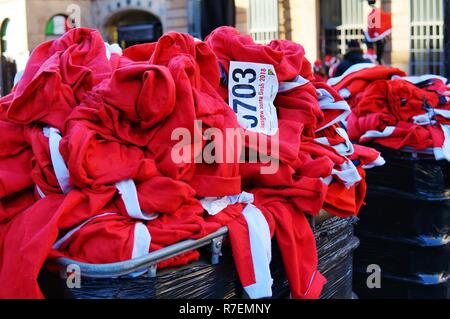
(353,56)
(217,13)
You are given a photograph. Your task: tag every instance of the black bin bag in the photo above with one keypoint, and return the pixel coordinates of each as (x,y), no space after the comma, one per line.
(403,256)
(404,228)
(402,287)
(202,279)
(417,173)
(402,214)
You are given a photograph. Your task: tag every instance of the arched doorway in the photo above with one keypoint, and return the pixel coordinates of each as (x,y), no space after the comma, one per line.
(8,68)
(130,27)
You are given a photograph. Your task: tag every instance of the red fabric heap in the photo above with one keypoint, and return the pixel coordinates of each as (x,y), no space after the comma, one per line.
(297,189)
(396,111)
(356,79)
(87,168)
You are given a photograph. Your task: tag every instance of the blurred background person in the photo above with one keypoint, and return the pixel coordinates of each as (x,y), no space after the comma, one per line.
(320,73)
(354,55)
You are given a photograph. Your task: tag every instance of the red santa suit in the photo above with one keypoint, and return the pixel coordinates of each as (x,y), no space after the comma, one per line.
(322,109)
(396,114)
(16,166)
(250,236)
(354,81)
(15,160)
(94,177)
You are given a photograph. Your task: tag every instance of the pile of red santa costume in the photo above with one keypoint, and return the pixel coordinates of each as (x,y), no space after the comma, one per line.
(87,169)
(397,111)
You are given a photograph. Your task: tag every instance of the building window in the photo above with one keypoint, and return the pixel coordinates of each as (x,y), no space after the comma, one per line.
(263,20)
(56,26)
(342,21)
(330,19)
(132,26)
(204,16)
(427,37)
(354,13)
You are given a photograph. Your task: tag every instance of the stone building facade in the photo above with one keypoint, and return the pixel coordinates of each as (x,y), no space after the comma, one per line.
(420,40)
(24,24)
(320,25)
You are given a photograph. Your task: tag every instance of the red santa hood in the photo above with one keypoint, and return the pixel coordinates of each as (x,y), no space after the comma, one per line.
(286,56)
(359,76)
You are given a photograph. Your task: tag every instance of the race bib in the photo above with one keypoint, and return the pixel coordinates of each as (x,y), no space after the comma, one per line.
(252,90)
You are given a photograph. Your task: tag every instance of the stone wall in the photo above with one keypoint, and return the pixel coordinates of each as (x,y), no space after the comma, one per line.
(39,12)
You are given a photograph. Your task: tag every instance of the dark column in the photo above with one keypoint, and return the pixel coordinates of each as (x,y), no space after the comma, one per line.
(447,37)
(216,13)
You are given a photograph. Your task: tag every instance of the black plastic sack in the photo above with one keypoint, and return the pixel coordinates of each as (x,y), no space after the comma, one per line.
(403,287)
(332,236)
(197,280)
(394,255)
(412,172)
(403,215)
(339,272)
(336,244)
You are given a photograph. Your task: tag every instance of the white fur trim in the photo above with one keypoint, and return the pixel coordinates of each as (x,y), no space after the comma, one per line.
(260,240)
(345,93)
(70,233)
(59,166)
(348,174)
(443,153)
(428,118)
(353,69)
(261,250)
(40,192)
(378,37)
(287,86)
(142,240)
(112,48)
(421,78)
(311,282)
(378,162)
(327,102)
(128,192)
(388,131)
(345,149)
(214,205)
(327,180)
